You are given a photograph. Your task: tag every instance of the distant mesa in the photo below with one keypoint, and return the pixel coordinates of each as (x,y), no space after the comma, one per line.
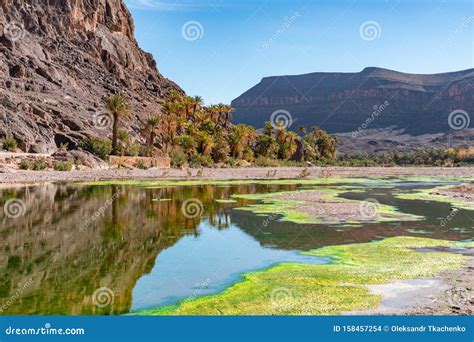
(342,102)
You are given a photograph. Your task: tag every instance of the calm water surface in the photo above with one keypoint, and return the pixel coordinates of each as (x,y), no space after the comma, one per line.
(75,239)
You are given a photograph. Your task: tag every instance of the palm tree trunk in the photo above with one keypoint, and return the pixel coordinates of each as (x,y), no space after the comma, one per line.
(114,134)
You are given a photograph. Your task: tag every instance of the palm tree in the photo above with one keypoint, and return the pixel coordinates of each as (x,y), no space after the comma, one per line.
(227,114)
(150,127)
(120,109)
(197,103)
(221,108)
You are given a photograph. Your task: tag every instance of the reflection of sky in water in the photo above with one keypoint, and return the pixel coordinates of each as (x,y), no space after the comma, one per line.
(197,266)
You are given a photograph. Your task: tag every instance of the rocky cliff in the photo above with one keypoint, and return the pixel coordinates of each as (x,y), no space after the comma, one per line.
(343,102)
(59,58)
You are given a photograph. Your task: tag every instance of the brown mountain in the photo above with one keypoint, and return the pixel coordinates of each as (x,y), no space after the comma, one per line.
(58,59)
(343,102)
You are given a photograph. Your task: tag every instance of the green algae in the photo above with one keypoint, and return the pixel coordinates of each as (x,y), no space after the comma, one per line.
(433,194)
(269,203)
(327,289)
(382,180)
(418,231)
(225,201)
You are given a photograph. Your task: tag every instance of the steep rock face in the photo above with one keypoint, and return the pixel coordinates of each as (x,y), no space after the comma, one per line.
(342,102)
(59,58)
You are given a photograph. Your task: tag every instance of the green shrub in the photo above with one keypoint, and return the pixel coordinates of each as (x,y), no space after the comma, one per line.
(197,161)
(100,147)
(178,157)
(62,165)
(266,162)
(25,164)
(140,164)
(39,164)
(9,144)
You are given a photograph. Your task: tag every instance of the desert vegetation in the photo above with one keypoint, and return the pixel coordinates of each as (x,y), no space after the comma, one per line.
(203,136)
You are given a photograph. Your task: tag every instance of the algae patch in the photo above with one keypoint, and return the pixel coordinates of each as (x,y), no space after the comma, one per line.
(323,206)
(307,289)
(436,195)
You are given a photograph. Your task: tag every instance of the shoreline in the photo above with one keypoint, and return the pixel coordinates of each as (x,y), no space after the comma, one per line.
(31,177)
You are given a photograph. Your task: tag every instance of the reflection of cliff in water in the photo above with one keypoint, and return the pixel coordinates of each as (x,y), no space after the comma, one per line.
(68,259)
(73,240)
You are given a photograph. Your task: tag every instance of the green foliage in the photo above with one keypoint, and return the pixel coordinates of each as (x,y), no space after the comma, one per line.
(62,165)
(39,164)
(421,157)
(141,165)
(100,147)
(178,157)
(197,161)
(25,164)
(263,161)
(10,144)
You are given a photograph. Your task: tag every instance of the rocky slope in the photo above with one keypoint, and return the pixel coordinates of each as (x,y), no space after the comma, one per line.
(343,102)
(58,59)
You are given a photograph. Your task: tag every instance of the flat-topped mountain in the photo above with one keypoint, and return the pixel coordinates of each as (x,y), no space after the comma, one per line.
(342,102)
(58,59)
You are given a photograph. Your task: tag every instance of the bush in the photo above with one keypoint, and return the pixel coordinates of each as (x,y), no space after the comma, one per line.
(100,147)
(9,144)
(62,165)
(266,162)
(178,157)
(25,164)
(140,164)
(201,161)
(39,164)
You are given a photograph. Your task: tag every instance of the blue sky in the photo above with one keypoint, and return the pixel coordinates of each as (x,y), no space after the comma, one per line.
(220,48)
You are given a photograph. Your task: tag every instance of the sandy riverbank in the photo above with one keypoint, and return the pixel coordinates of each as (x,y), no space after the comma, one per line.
(225,174)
